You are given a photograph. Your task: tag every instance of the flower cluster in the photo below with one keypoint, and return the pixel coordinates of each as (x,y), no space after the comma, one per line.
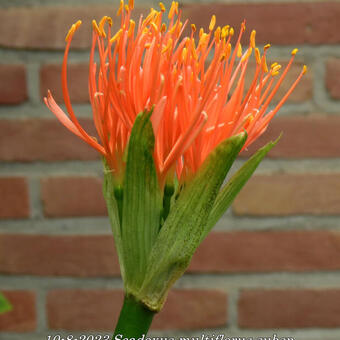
(195,86)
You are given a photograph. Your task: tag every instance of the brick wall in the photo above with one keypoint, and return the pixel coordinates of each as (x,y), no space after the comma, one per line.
(272,265)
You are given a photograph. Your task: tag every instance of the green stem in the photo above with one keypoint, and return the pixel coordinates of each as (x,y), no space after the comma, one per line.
(134,319)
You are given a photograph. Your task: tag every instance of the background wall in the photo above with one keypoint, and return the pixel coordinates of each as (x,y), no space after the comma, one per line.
(272,264)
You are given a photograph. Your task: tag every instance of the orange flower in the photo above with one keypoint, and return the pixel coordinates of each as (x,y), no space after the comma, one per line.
(195,106)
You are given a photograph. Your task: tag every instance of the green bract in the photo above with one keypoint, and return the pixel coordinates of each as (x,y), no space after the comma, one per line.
(157,232)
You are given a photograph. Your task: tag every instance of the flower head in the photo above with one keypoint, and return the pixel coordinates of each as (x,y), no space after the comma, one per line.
(196,104)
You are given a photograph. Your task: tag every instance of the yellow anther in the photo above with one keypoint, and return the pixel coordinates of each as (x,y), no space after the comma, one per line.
(70,32)
(276,68)
(168,46)
(231,31)
(77,24)
(252,38)
(217,34)
(274,64)
(204,39)
(193,49)
(266,47)
(239,50)
(150,17)
(295,51)
(116,36)
(131,4)
(120,9)
(102,23)
(257,56)
(193,27)
(95,27)
(163,28)
(162,7)
(304,70)
(201,32)
(126,8)
(264,64)
(147,45)
(154,26)
(212,23)
(131,28)
(173,9)
(275,73)
(247,55)
(184,54)
(225,31)
(228,50)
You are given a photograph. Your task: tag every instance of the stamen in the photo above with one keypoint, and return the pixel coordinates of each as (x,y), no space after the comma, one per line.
(173,9)
(212,23)
(116,36)
(131,28)
(304,70)
(193,28)
(168,46)
(131,4)
(295,51)
(163,28)
(96,28)
(162,7)
(257,56)
(247,55)
(71,31)
(231,31)
(252,39)
(265,48)
(225,31)
(264,64)
(239,50)
(120,9)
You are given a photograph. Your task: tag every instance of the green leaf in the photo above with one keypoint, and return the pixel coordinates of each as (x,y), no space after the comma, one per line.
(142,202)
(228,193)
(113,195)
(5,305)
(182,230)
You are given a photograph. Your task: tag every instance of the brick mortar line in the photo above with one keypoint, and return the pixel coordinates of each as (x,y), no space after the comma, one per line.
(320,280)
(35,199)
(233,296)
(41,310)
(94,168)
(228,223)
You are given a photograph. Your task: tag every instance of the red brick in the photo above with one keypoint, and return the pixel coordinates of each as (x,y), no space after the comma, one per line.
(69,309)
(313,136)
(44,140)
(13,89)
(73,196)
(282,23)
(14,200)
(268,251)
(296,194)
(333,77)
(289,308)
(77,74)
(22,318)
(51,25)
(71,255)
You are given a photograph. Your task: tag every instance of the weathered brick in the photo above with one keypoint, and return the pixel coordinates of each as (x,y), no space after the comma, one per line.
(68,309)
(333,77)
(302,23)
(14,200)
(289,194)
(313,136)
(289,308)
(13,89)
(77,74)
(73,196)
(22,318)
(51,24)
(268,251)
(71,255)
(44,140)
